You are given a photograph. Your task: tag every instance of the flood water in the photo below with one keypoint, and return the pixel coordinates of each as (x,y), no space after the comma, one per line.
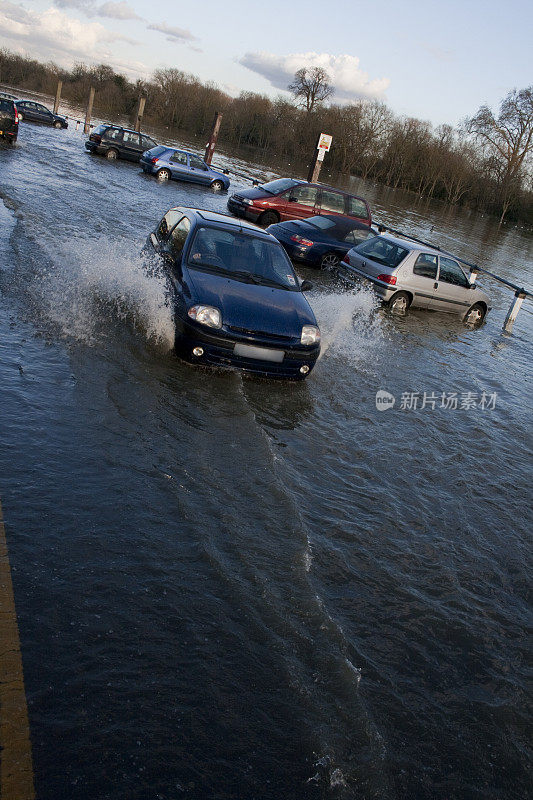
(230,588)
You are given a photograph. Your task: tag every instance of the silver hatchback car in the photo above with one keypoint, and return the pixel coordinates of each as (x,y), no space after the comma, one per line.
(406,273)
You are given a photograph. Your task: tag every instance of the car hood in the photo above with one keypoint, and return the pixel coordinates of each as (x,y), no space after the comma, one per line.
(259,308)
(254,194)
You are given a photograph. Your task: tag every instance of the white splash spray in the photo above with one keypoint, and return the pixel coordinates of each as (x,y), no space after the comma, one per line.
(90,278)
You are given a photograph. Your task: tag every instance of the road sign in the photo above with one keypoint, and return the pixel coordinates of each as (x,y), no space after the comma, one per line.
(324,142)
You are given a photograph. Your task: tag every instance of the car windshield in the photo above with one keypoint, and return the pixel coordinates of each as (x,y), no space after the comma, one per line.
(243,257)
(275,187)
(100,129)
(156,151)
(383,251)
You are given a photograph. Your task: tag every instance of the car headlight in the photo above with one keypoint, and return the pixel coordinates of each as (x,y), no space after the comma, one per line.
(206,315)
(247,202)
(310,334)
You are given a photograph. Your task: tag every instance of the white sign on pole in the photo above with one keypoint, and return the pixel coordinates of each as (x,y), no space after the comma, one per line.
(324,142)
(321,154)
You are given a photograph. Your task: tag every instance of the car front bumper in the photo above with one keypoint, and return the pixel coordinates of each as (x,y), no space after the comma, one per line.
(219,351)
(242,210)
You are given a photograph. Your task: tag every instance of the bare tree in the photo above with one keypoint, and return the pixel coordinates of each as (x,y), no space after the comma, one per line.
(507,140)
(311,86)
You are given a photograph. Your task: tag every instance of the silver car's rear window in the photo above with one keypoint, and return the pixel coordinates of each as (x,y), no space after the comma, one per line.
(383,251)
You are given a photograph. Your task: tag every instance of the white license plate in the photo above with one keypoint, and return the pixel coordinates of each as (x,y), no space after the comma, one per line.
(261,353)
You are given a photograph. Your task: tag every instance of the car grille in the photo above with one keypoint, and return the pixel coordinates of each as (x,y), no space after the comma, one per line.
(263,334)
(237,198)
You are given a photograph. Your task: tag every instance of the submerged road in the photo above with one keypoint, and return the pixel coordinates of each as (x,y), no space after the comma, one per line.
(231,588)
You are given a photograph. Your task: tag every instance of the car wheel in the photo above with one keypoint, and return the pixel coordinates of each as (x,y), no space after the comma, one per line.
(399,303)
(163,175)
(329,261)
(57,124)
(217,186)
(112,155)
(268,218)
(475,315)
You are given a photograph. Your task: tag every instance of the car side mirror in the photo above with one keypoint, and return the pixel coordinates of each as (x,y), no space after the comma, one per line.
(306,286)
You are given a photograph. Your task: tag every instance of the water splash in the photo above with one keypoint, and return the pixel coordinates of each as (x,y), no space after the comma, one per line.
(89,279)
(350,327)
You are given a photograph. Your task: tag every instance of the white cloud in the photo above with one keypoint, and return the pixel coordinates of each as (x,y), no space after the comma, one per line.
(349,80)
(119,10)
(51,34)
(173,33)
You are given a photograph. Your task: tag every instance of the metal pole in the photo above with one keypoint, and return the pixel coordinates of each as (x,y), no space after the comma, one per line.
(58,96)
(210,147)
(140,112)
(513,311)
(316,163)
(88,113)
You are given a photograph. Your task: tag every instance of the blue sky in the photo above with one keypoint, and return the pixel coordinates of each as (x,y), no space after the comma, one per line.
(431,60)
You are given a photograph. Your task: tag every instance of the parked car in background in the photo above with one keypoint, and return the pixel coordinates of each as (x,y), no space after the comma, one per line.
(167,162)
(237,300)
(35,112)
(408,274)
(9,120)
(288,198)
(320,241)
(114,141)
(8,96)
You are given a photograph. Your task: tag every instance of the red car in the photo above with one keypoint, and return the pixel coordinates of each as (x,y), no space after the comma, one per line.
(287,198)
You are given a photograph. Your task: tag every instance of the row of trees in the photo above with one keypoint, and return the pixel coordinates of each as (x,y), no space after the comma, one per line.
(485,164)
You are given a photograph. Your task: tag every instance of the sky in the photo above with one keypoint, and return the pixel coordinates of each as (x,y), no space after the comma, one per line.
(436,61)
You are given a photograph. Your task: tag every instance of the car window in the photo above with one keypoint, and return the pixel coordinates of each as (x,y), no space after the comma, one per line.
(100,129)
(332,201)
(178,236)
(179,158)
(147,143)
(426,266)
(131,138)
(248,257)
(451,272)
(279,185)
(42,109)
(114,133)
(197,163)
(167,223)
(383,251)
(303,194)
(358,235)
(357,207)
(6,105)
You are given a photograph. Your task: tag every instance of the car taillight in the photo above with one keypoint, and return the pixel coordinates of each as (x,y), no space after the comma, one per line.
(154,160)
(387,279)
(16,117)
(346,259)
(302,241)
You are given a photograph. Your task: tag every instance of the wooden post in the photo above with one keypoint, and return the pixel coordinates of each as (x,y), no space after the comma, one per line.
(139,113)
(323,143)
(210,147)
(513,310)
(58,96)
(88,113)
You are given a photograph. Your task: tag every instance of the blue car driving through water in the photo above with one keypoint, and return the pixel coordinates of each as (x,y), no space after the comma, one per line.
(167,162)
(237,300)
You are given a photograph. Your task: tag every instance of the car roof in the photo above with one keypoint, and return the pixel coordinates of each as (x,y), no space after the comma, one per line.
(216,218)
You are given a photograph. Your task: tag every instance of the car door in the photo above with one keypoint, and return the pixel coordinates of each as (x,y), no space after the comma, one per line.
(331,202)
(43,114)
(131,145)
(452,292)
(171,252)
(301,202)
(198,170)
(29,111)
(179,165)
(421,279)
